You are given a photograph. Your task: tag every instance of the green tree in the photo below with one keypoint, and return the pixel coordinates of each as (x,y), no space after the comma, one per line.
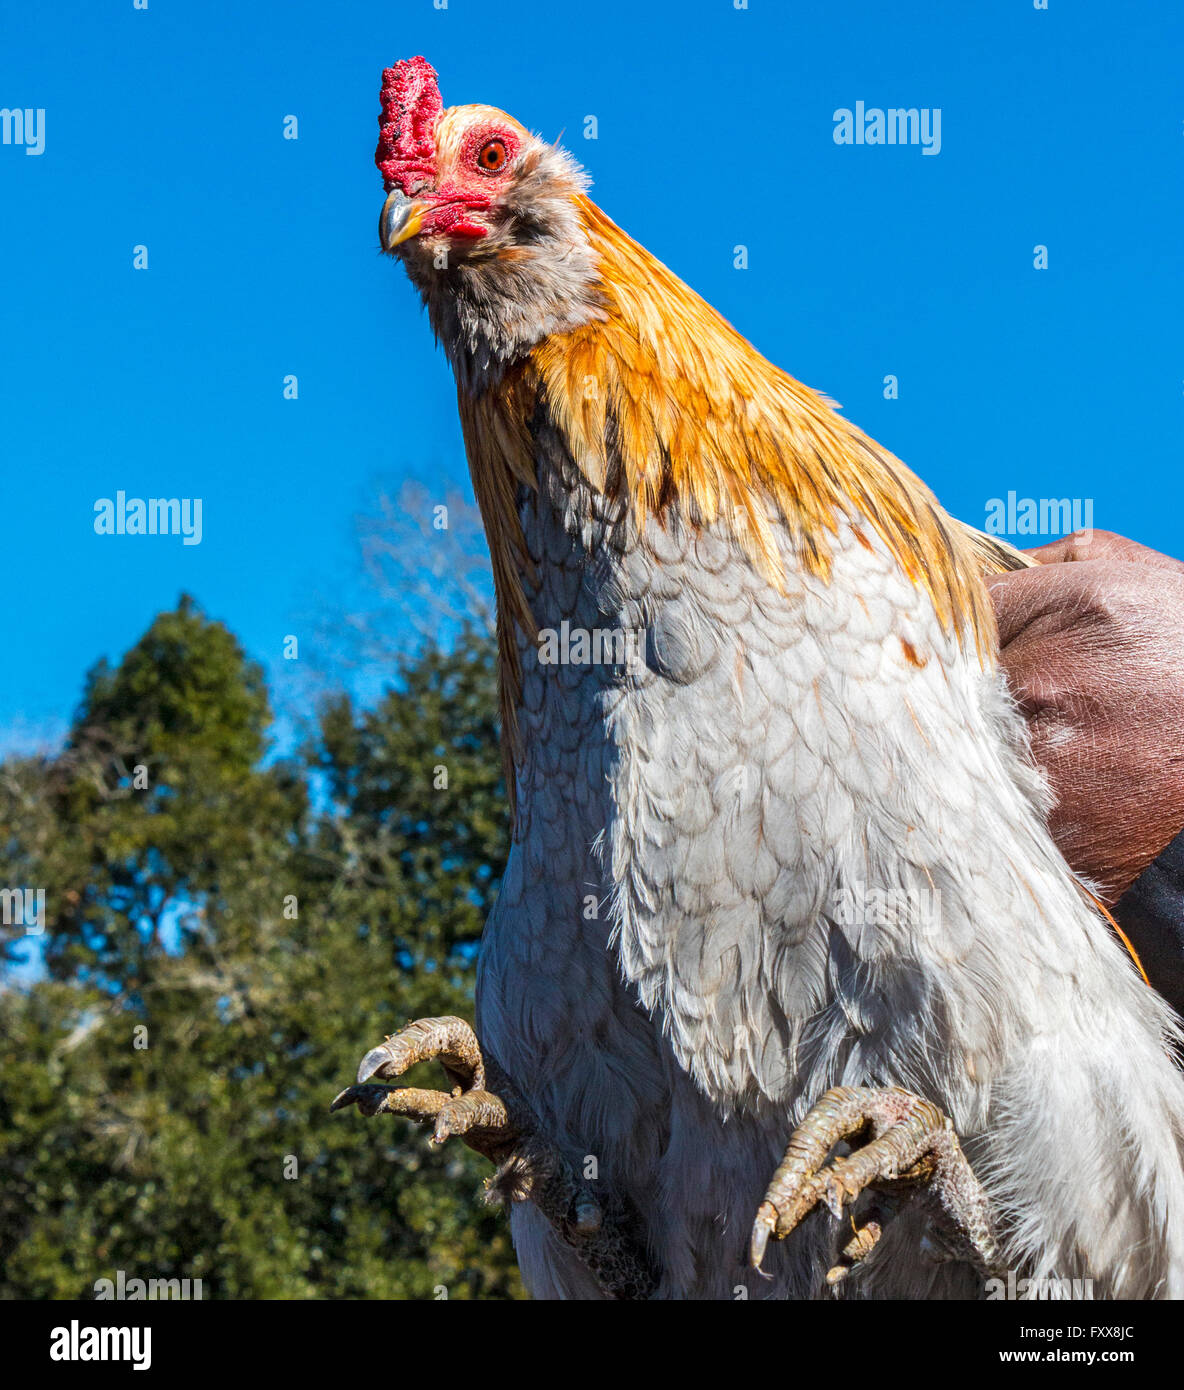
(226,936)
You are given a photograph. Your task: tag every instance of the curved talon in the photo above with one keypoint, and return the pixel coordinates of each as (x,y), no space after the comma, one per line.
(368,1099)
(345,1098)
(377,1057)
(762,1228)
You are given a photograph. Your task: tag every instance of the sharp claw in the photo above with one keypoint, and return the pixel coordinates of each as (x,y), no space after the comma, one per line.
(377,1057)
(832,1195)
(762,1228)
(341,1100)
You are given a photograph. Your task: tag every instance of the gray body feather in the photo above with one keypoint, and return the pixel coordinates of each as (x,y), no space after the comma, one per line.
(683,956)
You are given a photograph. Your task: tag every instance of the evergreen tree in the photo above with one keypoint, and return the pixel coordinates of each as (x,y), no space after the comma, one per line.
(225,937)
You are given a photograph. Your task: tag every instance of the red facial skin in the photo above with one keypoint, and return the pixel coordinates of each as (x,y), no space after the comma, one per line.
(470,187)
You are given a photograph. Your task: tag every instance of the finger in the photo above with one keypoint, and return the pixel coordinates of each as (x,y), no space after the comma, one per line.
(1101,545)
(1047,594)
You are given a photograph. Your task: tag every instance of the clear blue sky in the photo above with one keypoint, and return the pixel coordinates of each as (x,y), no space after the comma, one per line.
(164,126)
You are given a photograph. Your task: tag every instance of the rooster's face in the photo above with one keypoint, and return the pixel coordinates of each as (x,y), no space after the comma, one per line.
(470,180)
(481,157)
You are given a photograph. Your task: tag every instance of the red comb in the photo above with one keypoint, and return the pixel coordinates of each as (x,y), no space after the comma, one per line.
(411,106)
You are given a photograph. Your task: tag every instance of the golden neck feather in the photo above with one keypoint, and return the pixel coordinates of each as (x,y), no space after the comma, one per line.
(702,421)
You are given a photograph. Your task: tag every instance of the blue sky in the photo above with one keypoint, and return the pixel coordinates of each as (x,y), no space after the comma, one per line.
(164,128)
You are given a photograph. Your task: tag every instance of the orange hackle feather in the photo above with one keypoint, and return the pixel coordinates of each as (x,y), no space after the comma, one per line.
(1127,943)
(696,414)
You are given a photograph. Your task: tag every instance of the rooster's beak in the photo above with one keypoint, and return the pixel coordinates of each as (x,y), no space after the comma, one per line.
(401,218)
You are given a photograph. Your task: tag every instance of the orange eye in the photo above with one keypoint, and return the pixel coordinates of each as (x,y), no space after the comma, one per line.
(492,156)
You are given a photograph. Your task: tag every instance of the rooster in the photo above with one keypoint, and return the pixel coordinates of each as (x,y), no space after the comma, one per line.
(781,875)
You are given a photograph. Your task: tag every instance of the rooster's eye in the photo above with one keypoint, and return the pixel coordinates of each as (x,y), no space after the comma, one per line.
(492,156)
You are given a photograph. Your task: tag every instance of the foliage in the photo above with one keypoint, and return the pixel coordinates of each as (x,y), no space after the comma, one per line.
(226,934)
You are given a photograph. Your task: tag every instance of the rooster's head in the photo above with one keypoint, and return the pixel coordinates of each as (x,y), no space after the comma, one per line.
(484,215)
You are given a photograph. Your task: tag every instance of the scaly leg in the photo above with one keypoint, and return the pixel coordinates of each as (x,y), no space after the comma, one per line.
(486,1111)
(911,1142)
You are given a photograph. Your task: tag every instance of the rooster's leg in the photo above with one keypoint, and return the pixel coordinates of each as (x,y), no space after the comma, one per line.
(910,1141)
(484,1109)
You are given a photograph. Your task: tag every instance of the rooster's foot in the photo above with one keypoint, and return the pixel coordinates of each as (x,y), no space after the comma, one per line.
(484,1109)
(909,1141)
